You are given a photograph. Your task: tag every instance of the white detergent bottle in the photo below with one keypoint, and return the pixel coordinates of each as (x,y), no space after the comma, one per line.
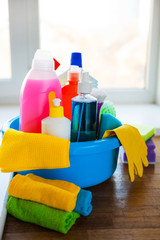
(76,60)
(56,124)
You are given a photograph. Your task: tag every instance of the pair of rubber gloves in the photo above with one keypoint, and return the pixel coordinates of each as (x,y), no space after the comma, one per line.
(134,146)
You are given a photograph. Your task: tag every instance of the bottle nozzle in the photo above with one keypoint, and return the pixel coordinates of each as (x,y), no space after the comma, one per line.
(56,111)
(56,64)
(56,102)
(85,85)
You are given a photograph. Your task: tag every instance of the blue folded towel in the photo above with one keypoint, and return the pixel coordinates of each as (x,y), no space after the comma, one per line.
(83,204)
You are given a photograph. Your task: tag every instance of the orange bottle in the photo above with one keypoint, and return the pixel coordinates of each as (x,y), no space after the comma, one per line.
(70,90)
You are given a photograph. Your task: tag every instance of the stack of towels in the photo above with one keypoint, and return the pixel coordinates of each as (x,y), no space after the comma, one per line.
(54,204)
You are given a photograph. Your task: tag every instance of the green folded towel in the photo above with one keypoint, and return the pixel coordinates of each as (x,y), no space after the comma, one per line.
(40,214)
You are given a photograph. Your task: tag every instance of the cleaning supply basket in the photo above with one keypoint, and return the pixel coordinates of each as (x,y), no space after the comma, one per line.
(91,162)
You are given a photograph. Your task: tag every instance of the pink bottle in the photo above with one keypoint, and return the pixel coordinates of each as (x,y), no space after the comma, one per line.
(39,81)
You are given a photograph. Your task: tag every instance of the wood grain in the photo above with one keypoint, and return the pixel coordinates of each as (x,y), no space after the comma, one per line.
(121,211)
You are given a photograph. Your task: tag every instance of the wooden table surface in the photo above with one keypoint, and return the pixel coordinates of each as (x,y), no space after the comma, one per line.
(121,211)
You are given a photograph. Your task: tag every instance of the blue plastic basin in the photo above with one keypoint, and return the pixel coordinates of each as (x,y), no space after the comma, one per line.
(91,162)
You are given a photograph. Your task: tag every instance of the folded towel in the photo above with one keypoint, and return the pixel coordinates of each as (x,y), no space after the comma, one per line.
(27,151)
(68,186)
(84,197)
(134,146)
(40,214)
(26,188)
(83,204)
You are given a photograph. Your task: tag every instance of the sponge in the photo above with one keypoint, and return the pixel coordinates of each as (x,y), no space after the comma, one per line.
(147,132)
(107,107)
(108,122)
(151,156)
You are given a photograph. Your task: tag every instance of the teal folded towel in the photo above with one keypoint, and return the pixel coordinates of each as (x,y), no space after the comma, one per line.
(83,204)
(40,214)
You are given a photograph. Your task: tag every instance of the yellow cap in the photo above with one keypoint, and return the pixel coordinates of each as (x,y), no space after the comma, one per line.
(55,110)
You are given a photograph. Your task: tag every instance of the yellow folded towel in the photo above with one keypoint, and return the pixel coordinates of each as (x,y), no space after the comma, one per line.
(70,187)
(27,151)
(28,188)
(134,146)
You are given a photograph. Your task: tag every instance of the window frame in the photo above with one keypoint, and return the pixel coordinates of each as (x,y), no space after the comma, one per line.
(149,93)
(28,39)
(23,20)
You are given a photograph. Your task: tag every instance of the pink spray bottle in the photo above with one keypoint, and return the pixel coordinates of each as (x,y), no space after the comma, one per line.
(39,81)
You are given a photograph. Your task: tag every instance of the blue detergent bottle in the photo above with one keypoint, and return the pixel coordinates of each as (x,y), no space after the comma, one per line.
(84,112)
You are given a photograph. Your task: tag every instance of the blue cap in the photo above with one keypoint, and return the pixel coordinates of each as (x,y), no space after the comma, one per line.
(76,59)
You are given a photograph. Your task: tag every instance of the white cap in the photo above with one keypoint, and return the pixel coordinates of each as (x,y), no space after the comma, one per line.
(56,102)
(43,60)
(85,86)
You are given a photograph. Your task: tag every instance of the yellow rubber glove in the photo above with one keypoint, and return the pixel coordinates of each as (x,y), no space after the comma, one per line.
(134,146)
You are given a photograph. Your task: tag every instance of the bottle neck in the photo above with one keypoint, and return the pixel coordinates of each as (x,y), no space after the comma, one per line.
(71,82)
(87,97)
(84,95)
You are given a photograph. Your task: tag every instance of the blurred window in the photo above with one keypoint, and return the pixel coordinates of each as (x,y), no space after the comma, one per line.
(5,53)
(119,41)
(112,36)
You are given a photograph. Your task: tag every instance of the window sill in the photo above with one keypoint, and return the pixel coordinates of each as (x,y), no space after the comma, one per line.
(7,112)
(147,114)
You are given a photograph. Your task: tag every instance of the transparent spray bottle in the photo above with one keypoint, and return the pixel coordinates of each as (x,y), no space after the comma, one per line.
(84,112)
